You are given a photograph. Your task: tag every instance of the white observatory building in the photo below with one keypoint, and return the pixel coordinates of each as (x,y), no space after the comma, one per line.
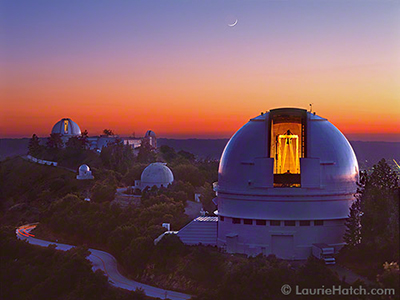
(150,136)
(286,180)
(156,174)
(66,128)
(84,173)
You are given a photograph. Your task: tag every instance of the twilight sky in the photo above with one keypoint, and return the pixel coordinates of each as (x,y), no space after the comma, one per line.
(176,67)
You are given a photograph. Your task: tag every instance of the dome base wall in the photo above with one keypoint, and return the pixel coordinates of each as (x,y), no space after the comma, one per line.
(286,242)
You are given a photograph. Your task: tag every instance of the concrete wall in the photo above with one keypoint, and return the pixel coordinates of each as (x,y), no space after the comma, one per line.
(42,161)
(266,239)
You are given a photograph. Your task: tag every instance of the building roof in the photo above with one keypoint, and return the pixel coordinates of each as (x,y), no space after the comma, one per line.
(150,133)
(66,127)
(84,168)
(157,173)
(202,230)
(245,166)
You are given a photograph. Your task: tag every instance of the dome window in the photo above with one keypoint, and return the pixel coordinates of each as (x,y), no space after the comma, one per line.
(65,126)
(287,145)
(275,223)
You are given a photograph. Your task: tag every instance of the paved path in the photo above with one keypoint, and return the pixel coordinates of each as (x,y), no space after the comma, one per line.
(105,262)
(349,275)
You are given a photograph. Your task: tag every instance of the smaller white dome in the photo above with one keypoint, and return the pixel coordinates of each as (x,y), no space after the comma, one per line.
(156,174)
(84,173)
(150,133)
(84,168)
(66,127)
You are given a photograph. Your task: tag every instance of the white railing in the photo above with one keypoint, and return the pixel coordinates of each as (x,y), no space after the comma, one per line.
(42,161)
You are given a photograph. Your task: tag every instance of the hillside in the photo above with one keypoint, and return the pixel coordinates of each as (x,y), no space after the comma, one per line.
(368,153)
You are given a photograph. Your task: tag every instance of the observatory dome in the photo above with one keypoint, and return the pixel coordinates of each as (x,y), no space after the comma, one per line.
(319,155)
(84,173)
(150,133)
(151,138)
(84,168)
(294,174)
(156,174)
(66,127)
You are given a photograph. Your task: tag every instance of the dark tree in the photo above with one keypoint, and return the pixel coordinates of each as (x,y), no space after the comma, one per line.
(380,207)
(73,143)
(108,132)
(168,153)
(55,141)
(207,195)
(78,142)
(377,211)
(34,146)
(84,139)
(146,152)
(383,177)
(187,155)
(103,192)
(117,156)
(352,237)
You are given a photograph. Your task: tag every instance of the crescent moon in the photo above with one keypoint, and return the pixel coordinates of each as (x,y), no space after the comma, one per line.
(234,23)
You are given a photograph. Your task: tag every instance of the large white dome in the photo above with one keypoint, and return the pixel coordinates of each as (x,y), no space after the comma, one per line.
(150,133)
(293,174)
(329,164)
(66,127)
(156,174)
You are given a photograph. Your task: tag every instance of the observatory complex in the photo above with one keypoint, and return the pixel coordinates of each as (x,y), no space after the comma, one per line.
(84,173)
(286,180)
(67,128)
(156,174)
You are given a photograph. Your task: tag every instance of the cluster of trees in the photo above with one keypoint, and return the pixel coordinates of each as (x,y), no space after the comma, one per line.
(205,271)
(27,189)
(75,152)
(31,272)
(123,232)
(118,165)
(372,234)
(129,234)
(178,191)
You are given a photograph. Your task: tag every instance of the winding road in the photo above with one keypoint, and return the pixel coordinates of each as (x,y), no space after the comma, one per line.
(105,262)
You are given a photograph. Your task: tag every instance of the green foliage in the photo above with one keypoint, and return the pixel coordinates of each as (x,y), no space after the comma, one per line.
(108,132)
(188,173)
(117,156)
(110,226)
(133,173)
(207,195)
(146,153)
(167,153)
(103,192)
(138,254)
(178,191)
(34,147)
(54,141)
(33,186)
(390,278)
(187,155)
(373,227)
(380,206)
(32,272)
(315,274)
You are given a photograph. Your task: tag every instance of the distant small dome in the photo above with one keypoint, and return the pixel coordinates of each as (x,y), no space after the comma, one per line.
(66,127)
(150,133)
(156,174)
(84,173)
(150,136)
(84,168)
